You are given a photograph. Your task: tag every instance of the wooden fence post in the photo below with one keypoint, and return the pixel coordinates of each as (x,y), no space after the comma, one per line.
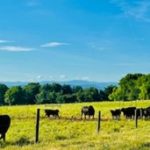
(37,125)
(136,119)
(99,121)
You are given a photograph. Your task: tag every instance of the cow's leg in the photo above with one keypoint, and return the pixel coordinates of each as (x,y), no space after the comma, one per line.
(4,137)
(1,137)
(117,117)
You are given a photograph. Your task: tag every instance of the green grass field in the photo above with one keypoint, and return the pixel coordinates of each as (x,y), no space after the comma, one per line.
(71,133)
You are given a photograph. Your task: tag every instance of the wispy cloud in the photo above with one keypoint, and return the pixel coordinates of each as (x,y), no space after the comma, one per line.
(15,49)
(85,78)
(54,44)
(82,78)
(62,76)
(138,9)
(5,41)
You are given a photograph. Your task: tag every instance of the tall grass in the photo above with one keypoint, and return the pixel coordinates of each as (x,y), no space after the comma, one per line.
(71,133)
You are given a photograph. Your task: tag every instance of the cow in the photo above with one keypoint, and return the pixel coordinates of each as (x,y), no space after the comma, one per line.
(4,125)
(147,113)
(51,112)
(116,114)
(140,112)
(129,112)
(87,111)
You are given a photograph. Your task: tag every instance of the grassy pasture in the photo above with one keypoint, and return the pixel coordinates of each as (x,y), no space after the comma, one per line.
(71,133)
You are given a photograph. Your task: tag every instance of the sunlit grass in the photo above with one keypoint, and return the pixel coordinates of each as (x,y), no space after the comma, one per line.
(70,132)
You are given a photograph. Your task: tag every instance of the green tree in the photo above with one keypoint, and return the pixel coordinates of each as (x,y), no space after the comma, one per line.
(108,90)
(66,89)
(14,95)
(31,90)
(46,87)
(77,89)
(56,88)
(128,89)
(41,97)
(60,98)
(117,95)
(145,92)
(3,89)
(70,98)
(144,86)
(80,96)
(51,97)
(102,95)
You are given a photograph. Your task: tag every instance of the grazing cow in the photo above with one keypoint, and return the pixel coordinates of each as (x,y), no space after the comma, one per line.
(147,113)
(129,112)
(116,113)
(4,125)
(140,112)
(54,113)
(87,110)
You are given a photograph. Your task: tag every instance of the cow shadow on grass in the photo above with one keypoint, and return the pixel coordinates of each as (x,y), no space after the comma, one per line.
(145,146)
(23,141)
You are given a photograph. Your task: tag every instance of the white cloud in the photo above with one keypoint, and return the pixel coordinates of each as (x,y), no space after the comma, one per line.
(54,44)
(85,78)
(62,76)
(39,77)
(138,10)
(15,49)
(4,41)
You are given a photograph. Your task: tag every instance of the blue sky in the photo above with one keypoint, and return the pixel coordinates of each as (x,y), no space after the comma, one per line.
(98,40)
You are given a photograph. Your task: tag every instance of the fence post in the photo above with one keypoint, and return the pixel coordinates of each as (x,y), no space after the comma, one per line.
(136,119)
(37,125)
(99,120)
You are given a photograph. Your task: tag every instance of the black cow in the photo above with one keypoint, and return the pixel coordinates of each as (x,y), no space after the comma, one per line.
(51,112)
(140,112)
(129,112)
(87,111)
(116,113)
(147,113)
(4,125)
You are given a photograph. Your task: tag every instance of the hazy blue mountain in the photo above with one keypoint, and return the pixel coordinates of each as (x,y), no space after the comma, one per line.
(86,84)
(83,83)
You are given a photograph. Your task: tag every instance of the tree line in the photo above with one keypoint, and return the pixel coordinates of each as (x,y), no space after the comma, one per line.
(35,93)
(131,87)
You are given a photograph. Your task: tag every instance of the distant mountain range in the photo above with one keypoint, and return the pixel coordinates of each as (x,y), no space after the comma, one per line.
(82,83)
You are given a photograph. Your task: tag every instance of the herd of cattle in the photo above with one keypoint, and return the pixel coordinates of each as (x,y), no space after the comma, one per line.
(129,113)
